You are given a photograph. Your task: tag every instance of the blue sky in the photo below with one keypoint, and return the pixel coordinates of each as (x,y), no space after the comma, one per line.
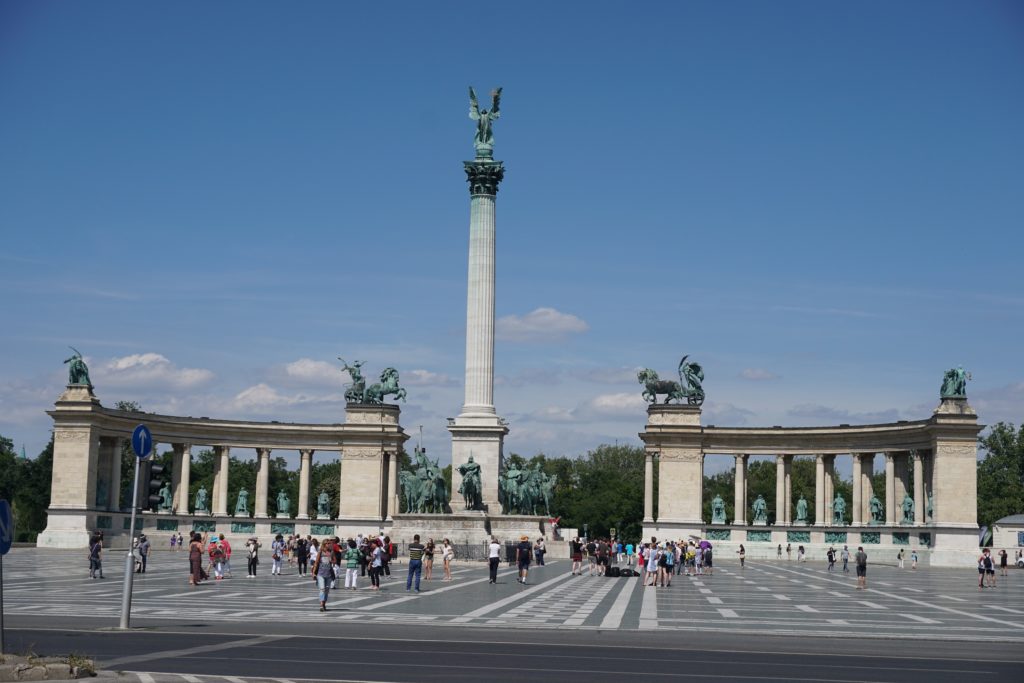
(819,202)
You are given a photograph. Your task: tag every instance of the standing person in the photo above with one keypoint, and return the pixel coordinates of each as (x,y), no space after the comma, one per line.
(601,548)
(252,548)
(95,556)
(743,554)
(217,559)
(389,548)
(576,554)
(845,556)
(538,551)
(376,562)
(195,559)
(670,563)
(302,555)
(990,569)
(1002,562)
(277,548)
(174,543)
(800,554)
(789,552)
(493,559)
(181,541)
(913,559)
(523,558)
(652,558)
(641,561)
(289,551)
(323,570)
(428,560)
(144,547)
(861,560)
(899,558)
(709,565)
(352,557)
(831,555)
(591,555)
(227,555)
(778,553)
(365,549)
(629,554)
(447,555)
(415,562)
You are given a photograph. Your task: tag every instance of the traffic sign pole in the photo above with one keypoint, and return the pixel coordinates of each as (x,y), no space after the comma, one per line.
(142,444)
(1,604)
(6,539)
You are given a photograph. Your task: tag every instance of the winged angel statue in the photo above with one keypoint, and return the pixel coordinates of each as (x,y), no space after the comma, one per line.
(483,141)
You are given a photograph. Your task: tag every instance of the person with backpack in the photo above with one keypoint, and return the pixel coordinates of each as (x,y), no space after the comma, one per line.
(217,556)
(670,564)
(523,552)
(323,570)
(95,555)
(709,564)
(389,549)
(353,556)
(277,550)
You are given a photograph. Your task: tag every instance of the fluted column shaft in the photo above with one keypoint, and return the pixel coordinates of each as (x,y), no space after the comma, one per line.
(890,488)
(830,494)
(920,499)
(789,488)
(867,488)
(739,515)
(649,488)
(858,491)
(480,307)
(221,463)
(819,490)
(780,489)
(114,492)
(391,508)
(305,458)
(262,481)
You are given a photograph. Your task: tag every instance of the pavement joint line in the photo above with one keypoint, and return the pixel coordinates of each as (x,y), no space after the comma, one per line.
(872,605)
(436,591)
(923,620)
(495,606)
(1004,609)
(649,610)
(166,654)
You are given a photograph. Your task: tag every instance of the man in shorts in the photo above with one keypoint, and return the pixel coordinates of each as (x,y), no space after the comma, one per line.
(523,552)
(861,560)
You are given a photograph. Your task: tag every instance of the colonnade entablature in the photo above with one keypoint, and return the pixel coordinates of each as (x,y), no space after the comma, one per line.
(88,439)
(930,479)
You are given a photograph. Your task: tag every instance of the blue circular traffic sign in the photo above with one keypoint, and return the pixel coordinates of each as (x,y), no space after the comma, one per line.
(142,441)
(6,527)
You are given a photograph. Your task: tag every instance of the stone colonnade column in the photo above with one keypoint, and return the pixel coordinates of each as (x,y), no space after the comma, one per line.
(114,492)
(890,488)
(739,515)
(222,455)
(649,487)
(830,494)
(867,468)
(480,299)
(305,457)
(920,499)
(819,490)
(186,477)
(789,488)
(780,489)
(262,481)
(390,507)
(858,491)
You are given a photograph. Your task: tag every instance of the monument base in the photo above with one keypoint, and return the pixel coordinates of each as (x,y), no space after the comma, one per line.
(799,523)
(323,516)
(759,522)
(202,513)
(470,529)
(283,515)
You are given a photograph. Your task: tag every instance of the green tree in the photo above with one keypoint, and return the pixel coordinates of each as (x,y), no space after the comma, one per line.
(1001,473)
(325,476)
(601,489)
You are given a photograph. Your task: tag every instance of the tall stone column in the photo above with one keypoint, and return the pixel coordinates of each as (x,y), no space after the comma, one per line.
(858,491)
(222,459)
(890,488)
(390,509)
(114,492)
(185,465)
(920,499)
(830,493)
(477,430)
(649,488)
(305,456)
(262,481)
(819,490)
(789,488)
(867,469)
(780,490)
(739,515)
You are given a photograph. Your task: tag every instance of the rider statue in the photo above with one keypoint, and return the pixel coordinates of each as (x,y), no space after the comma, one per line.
(354,394)
(78,371)
(470,486)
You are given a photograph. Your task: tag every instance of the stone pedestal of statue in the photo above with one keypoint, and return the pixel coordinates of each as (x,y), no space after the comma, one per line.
(283,515)
(323,516)
(201,513)
(800,522)
(759,522)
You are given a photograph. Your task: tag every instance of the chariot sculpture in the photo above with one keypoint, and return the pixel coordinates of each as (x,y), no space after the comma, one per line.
(688,387)
(358,392)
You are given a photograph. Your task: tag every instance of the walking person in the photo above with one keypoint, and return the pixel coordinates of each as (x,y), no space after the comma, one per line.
(96,557)
(538,551)
(447,555)
(778,552)
(576,553)
(913,559)
(831,555)
(376,561)
(899,558)
(195,559)
(493,559)
(323,570)
(845,556)
(415,563)
(144,547)
(252,551)
(743,554)
(800,554)
(277,549)
(174,543)
(861,560)
(523,558)
(389,550)
(789,552)
(652,553)
(353,555)
(227,555)
(302,555)
(1002,562)
(428,560)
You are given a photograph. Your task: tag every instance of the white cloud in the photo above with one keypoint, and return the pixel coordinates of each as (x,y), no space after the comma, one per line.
(540,325)
(312,370)
(147,369)
(423,378)
(758,375)
(617,405)
(820,414)
(261,397)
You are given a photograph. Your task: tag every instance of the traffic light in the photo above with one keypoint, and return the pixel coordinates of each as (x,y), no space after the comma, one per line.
(155,484)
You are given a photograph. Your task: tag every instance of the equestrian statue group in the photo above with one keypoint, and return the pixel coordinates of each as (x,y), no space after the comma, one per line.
(688,388)
(358,392)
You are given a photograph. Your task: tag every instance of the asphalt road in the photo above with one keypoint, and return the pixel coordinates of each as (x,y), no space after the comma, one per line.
(401,653)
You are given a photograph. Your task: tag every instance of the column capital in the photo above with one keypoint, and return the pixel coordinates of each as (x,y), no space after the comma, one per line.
(741,457)
(263,452)
(484,176)
(780,459)
(304,452)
